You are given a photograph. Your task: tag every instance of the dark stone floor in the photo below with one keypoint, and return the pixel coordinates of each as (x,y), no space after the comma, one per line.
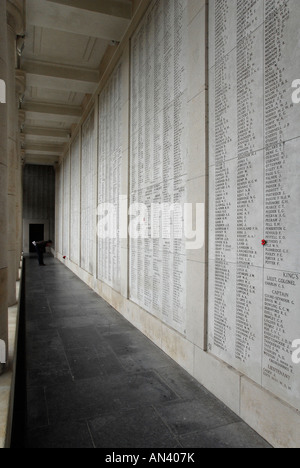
(94,381)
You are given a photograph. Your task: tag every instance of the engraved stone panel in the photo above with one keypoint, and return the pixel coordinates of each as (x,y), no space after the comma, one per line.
(254,297)
(66,201)
(59,208)
(75,202)
(88,204)
(158,165)
(109,180)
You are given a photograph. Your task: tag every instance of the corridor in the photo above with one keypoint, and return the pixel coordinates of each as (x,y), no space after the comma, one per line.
(94,381)
(155,143)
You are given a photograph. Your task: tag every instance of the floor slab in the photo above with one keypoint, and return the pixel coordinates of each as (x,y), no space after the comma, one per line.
(93,380)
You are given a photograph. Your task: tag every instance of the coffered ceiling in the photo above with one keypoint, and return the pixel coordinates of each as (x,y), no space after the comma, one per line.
(66,42)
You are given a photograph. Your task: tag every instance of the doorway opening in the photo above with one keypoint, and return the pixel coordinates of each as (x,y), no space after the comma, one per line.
(36,233)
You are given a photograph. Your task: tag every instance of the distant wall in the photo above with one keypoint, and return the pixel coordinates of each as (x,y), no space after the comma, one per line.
(38,200)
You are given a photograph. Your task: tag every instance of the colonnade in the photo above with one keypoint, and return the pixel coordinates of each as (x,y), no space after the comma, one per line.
(12,27)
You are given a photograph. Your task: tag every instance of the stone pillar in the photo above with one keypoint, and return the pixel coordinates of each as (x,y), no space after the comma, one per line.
(15,26)
(20,90)
(12,149)
(3,182)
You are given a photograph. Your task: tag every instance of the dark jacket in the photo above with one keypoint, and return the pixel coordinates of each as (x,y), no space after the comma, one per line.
(41,245)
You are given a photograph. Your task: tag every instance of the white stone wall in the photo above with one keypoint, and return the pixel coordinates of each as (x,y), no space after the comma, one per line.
(158,159)
(75,202)
(109,180)
(254,295)
(88,205)
(59,210)
(103,167)
(66,206)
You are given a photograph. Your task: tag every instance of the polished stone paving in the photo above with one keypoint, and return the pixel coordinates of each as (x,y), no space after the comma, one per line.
(94,381)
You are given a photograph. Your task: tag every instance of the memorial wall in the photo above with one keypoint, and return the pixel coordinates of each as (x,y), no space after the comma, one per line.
(149,152)
(75,202)
(158,157)
(196,108)
(109,180)
(59,209)
(66,207)
(254,296)
(88,202)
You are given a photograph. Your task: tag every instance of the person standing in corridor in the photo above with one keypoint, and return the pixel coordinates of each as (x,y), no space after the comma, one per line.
(40,249)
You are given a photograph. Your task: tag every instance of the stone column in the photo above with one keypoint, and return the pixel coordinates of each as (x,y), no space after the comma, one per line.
(3,182)
(12,149)
(15,26)
(20,90)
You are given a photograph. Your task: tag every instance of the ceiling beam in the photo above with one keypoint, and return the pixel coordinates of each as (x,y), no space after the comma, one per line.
(46,132)
(43,160)
(44,148)
(121,9)
(50,15)
(60,71)
(55,113)
(54,109)
(47,75)
(55,119)
(60,84)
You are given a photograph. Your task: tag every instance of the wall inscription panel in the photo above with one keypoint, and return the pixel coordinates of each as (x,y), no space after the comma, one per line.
(66,208)
(109,179)
(75,202)
(159,98)
(88,202)
(59,208)
(254,295)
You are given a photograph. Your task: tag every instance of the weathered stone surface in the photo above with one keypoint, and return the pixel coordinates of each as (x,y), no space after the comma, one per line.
(254,294)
